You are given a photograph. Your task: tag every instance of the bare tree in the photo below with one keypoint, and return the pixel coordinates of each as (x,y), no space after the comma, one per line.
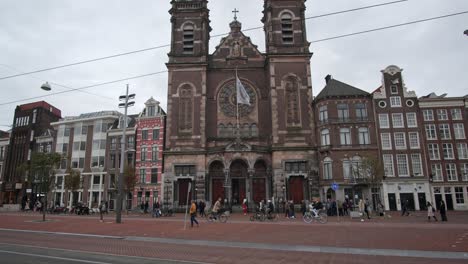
(130,180)
(73,182)
(368,171)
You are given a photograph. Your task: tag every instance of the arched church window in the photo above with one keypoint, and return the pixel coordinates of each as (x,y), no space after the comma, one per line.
(253,130)
(221,130)
(188,39)
(292,102)
(185,109)
(287,28)
(244,130)
(229,130)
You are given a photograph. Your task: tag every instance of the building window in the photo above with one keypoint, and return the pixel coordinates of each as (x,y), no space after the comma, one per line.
(448,150)
(395,101)
(144,134)
(345,136)
(428,115)
(154,153)
(142,175)
(63,164)
(444,131)
(131,142)
(397,120)
(287,29)
(185,109)
(411,120)
(151,110)
(343,112)
(459,131)
(437,172)
(66,132)
(188,39)
(393,89)
(451,171)
(323,113)
(296,166)
(386,140)
(292,100)
(383,121)
(464,171)
(402,165)
(154,175)
(388,165)
(185,170)
(155,134)
(413,140)
(400,140)
(325,136)
(346,169)
(442,114)
(462,151)
(459,195)
(2,155)
(361,112)
(65,148)
(416,164)
(431,132)
(34,116)
(143,154)
(364,136)
(456,114)
(97,161)
(327,169)
(434,152)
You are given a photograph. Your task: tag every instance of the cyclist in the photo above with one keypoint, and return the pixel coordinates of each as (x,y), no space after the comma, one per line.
(315,206)
(216,208)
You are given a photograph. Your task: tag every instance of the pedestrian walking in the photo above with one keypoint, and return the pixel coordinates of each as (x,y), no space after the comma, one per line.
(193,214)
(443,211)
(361,206)
(102,209)
(142,207)
(286,209)
(201,208)
(366,208)
(430,212)
(303,207)
(292,214)
(244,206)
(404,208)
(146,207)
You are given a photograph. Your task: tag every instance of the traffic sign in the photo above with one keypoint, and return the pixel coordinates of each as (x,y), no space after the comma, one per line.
(334,186)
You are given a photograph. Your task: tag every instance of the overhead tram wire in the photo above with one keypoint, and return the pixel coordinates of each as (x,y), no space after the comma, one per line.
(168,45)
(314,41)
(83,88)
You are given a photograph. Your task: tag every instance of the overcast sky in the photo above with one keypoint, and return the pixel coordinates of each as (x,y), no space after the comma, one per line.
(41,34)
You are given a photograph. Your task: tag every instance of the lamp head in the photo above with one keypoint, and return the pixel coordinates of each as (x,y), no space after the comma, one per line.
(46,87)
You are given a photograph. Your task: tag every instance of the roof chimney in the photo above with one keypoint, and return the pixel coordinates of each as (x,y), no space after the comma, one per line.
(328,78)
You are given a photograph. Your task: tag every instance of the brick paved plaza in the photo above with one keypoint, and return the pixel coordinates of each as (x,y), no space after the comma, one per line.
(396,240)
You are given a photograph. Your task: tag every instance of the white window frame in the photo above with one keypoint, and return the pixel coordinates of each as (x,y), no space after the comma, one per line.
(395,101)
(462,151)
(325,137)
(411,120)
(416,164)
(464,171)
(447,149)
(346,169)
(323,113)
(389,169)
(437,172)
(431,132)
(400,140)
(459,131)
(345,136)
(413,138)
(444,131)
(402,165)
(433,151)
(428,115)
(364,138)
(396,117)
(384,122)
(442,114)
(327,169)
(451,171)
(384,139)
(456,114)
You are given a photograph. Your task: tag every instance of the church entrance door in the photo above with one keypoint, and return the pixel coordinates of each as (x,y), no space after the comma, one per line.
(296,189)
(238,174)
(259,190)
(216,176)
(183,188)
(238,191)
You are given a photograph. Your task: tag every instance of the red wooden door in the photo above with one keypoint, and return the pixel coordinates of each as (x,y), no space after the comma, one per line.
(259,190)
(183,188)
(296,189)
(218,190)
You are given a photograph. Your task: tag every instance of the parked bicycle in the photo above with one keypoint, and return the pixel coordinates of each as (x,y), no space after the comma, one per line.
(220,216)
(320,217)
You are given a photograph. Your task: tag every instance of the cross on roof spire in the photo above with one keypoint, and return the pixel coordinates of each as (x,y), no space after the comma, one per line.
(235,11)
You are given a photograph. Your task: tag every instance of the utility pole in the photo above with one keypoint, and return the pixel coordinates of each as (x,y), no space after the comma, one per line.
(125,105)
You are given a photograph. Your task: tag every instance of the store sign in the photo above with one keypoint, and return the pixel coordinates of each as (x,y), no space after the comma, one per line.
(19,186)
(28,190)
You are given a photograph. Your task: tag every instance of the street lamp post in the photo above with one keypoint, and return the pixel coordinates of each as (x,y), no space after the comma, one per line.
(284,197)
(166,195)
(125,98)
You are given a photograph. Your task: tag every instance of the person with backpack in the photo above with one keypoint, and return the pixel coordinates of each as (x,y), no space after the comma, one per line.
(102,209)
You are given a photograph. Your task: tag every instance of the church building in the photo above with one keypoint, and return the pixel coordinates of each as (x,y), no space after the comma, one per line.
(220,149)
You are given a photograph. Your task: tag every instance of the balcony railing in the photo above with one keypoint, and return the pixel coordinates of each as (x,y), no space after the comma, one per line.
(344,120)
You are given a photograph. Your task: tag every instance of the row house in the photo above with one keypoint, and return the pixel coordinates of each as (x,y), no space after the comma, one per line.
(114,158)
(444,126)
(30,120)
(82,140)
(150,130)
(346,129)
(398,128)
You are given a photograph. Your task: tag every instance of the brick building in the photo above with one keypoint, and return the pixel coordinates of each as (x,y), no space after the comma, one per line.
(444,126)
(270,151)
(398,127)
(346,136)
(30,120)
(149,128)
(4,141)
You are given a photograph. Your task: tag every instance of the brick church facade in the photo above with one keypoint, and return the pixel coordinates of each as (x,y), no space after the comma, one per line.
(270,150)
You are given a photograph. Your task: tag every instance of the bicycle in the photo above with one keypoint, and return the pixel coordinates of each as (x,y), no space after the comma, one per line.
(220,216)
(257,216)
(321,217)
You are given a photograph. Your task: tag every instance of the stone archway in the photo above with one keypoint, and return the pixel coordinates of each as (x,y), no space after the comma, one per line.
(238,172)
(216,178)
